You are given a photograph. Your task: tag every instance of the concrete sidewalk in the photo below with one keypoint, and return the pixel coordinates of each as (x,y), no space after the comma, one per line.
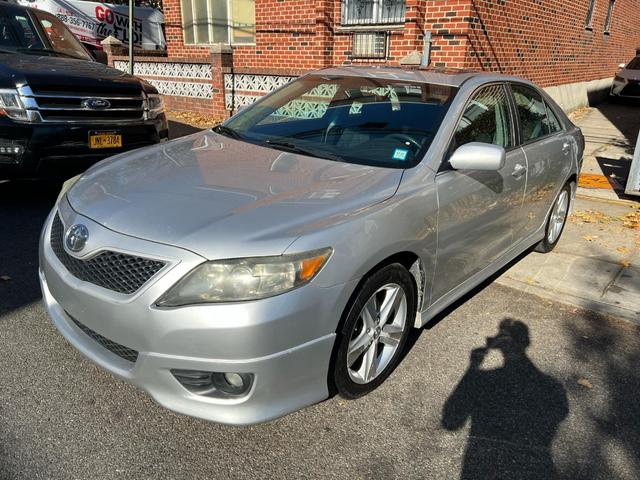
(610,131)
(596,264)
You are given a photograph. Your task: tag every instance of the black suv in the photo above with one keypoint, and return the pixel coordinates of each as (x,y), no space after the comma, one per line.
(60,109)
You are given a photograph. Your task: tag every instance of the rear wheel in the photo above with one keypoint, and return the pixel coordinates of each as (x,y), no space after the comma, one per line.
(556,221)
(375,331)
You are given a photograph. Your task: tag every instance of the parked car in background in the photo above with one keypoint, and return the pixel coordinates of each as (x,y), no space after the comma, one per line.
(241,273)
(627,82)
(60,109)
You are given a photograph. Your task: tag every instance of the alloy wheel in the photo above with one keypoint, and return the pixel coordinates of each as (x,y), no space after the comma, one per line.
(558,217)
(377,333)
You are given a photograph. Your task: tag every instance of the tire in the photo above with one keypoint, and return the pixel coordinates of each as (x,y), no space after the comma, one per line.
(556,221)
(388,295)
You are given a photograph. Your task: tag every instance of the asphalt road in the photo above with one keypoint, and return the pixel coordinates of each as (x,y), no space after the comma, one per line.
(566,406)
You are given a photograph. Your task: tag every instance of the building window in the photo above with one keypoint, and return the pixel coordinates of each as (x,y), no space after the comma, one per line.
(607,23)
(206,22)
(592,8)
(372,12)
(370,45)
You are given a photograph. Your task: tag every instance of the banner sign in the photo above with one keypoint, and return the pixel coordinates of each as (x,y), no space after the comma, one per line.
(92,22)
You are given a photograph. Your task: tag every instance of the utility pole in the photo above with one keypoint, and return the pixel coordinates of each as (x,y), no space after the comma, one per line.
(131,37)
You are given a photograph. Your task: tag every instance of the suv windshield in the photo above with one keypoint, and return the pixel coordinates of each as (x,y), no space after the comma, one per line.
(18,34)
(363,120)
(634,64)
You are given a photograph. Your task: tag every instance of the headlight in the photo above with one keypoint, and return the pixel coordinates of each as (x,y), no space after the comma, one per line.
(66,186)
(245,278)
(155,105)
(11,105)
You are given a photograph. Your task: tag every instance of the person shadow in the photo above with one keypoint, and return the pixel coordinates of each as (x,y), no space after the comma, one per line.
(514,410)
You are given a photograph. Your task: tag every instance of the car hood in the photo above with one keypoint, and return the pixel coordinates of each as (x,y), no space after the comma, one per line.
(629,74)
(64,74)
(223,198)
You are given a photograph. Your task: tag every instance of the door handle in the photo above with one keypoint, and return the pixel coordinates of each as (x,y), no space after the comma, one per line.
(566,147)
(518,171)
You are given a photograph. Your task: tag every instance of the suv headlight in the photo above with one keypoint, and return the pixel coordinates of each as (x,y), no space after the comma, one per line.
(619,80)
(11,105)
(245,278)
(155,105)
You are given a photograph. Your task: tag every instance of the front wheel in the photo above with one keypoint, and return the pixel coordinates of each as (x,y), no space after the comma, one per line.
(375,331)
(556,221)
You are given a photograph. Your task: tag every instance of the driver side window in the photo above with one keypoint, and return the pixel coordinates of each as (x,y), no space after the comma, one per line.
(486,119)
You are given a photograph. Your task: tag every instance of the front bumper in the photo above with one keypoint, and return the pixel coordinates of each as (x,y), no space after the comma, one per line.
(626,89)
(62,150)
(284,341)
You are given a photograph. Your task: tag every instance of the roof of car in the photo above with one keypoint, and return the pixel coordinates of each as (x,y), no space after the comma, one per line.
(440,76)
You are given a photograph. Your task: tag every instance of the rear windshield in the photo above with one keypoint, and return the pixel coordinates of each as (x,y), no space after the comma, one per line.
(362,120)
(634,64)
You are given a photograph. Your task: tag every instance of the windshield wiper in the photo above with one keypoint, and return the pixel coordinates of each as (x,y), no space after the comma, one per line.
(290,147)
(46,50)
(227,132)
(6,51)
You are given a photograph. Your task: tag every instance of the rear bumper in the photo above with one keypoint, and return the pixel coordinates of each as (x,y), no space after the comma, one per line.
(62,150)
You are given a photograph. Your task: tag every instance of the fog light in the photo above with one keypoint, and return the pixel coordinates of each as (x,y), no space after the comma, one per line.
(214,384)
(11,149)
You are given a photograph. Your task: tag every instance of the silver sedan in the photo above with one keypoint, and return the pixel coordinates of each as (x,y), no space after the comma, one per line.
(242,273)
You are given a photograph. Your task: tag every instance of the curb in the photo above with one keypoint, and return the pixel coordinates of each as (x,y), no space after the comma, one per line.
(572,300)
(616,201)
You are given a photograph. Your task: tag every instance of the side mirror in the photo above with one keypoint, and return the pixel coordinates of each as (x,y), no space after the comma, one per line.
(478,156)
(100,56)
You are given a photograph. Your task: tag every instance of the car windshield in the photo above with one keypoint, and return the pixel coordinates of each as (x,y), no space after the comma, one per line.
(364,120)
(634,64)
(18,34)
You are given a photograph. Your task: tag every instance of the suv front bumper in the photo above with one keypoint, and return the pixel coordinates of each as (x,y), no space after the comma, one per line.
(60,150)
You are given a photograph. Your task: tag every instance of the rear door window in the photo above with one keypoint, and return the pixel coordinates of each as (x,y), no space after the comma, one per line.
(532,113)
(553,124)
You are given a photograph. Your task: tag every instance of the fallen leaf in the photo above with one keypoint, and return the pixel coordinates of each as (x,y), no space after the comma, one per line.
(622,249)
(585,383)
(5,278)
(589,238)
(625,263)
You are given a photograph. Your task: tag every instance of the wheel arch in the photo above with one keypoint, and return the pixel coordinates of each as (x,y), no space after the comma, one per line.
(414,265)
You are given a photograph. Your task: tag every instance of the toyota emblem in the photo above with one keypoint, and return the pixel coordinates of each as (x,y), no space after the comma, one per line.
(76,237)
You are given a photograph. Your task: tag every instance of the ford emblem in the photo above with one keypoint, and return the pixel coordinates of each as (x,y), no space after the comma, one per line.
(96,103)
(76,237)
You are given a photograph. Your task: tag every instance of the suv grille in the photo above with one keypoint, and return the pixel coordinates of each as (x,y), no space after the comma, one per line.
(115,271)
(68,107)
(123,352)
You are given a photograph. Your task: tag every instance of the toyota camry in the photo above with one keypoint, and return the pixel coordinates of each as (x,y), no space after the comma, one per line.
(244,272)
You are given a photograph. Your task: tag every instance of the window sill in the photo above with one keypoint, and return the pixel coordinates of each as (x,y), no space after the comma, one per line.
(378,27)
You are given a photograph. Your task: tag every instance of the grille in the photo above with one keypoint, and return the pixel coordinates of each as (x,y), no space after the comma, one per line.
(115,271)
(123,352)
(54,106)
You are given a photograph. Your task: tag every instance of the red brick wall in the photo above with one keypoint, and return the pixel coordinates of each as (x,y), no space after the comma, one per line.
(543,40)
(546,41)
